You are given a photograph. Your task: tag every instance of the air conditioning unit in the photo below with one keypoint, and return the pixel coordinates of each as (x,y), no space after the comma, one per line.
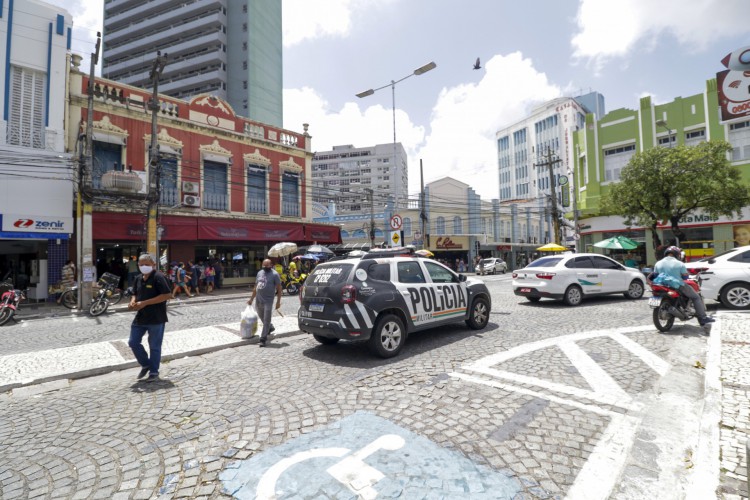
(190,200)
(189,187)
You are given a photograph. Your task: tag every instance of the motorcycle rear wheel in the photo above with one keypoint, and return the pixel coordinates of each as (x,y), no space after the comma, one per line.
(663,321)
(5,314)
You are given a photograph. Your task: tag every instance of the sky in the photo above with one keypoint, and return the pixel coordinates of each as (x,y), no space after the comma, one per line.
(531,51)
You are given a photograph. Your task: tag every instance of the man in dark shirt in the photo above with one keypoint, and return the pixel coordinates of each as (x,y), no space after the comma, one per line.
(152,291)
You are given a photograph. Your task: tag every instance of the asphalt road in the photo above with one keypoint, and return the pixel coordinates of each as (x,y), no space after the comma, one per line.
(547,401)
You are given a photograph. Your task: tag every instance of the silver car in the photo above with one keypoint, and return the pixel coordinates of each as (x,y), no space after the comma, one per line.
(491,265)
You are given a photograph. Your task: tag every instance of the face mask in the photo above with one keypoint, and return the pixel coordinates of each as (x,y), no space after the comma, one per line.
(145,269)
(267,269)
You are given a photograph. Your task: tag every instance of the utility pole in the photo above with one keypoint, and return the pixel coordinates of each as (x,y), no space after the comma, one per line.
(550,162)
(86,267)
(422,213)
(154,162)
(372,218)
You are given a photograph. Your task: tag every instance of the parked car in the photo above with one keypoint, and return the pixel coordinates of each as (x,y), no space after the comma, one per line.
(725,277)
(384,296)
(571,277)
(491,265)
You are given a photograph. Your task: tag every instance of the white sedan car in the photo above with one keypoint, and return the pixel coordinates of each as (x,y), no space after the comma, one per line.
(725,277)
(491,265)
(571,277)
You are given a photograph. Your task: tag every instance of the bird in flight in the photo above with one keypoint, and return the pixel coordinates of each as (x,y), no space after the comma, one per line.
(477,65)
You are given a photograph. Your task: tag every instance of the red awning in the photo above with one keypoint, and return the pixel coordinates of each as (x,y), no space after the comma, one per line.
(110,226)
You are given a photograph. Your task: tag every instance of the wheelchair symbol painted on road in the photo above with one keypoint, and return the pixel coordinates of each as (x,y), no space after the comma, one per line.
(352,471)
(366,457)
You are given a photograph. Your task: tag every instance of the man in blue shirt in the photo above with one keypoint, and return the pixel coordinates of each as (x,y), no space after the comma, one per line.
(674,268)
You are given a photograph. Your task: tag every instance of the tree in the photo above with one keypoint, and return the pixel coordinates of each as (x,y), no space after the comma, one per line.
(665,184)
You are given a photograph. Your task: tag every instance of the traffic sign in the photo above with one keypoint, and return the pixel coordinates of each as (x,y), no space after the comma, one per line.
(396,222)
(395,237)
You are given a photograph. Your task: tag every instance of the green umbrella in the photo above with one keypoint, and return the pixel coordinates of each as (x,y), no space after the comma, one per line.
(617,243)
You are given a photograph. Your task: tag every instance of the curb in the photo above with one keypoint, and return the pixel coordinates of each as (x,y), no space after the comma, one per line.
(120,307)
(93,372)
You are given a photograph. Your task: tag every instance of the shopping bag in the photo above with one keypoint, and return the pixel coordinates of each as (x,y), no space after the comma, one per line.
(248,323)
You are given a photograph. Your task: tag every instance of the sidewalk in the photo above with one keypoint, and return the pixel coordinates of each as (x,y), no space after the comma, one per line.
(67,363)
(734,424)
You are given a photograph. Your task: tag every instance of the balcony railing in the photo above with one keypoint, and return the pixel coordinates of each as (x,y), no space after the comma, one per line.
(290,209)
(256,206)
(169,197)
(214,201)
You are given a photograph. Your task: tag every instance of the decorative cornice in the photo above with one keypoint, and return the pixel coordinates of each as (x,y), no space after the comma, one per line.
(256,158)
(163,137)
(290,165)
(215,148)
(104,125)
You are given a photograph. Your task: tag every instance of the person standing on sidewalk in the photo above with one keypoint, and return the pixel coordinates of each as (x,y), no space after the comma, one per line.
(132,270)
(267,284)
(152,291)
(219,269)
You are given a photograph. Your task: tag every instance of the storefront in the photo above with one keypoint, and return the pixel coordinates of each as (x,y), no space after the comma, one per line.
(33,250)
(450,249)
(240,245)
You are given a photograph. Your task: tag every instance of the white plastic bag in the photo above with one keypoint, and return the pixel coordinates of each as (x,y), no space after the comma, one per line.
(248,323)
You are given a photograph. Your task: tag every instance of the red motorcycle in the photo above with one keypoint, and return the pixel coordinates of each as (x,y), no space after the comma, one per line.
(10,300)
(669,304)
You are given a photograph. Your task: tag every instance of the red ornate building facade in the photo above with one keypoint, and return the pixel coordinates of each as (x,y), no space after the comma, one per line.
(229,188)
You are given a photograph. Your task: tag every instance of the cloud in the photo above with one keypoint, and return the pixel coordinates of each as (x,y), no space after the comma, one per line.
(608,30)
(465,118)
(305,20)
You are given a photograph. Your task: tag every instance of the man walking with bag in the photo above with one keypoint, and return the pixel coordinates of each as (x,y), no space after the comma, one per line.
(267,284)
(152,291)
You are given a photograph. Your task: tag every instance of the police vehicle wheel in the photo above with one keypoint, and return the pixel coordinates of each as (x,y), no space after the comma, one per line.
(325,340)
(387,337)
(479,315)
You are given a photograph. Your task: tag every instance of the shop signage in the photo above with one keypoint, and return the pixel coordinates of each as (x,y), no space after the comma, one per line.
(37,224)
(733,84)
(235,232)
(447,244)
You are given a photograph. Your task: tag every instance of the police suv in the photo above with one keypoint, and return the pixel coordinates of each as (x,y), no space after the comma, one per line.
(385,295)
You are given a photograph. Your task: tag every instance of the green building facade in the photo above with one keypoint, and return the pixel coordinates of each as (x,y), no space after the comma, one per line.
(603,147)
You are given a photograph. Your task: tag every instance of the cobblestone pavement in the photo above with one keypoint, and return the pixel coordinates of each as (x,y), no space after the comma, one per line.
(555,400)
(735,412)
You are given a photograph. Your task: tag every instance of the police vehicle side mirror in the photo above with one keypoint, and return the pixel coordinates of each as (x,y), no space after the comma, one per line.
(462,277)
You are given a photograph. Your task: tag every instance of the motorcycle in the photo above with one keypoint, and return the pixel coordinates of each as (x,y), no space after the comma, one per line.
(107,288)
(669,304)
(292,283)
(69,297)
(10,301)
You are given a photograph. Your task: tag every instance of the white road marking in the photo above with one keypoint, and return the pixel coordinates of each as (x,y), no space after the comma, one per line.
(595,376)
(598,476)
(356,474)
(655,362)
(266,489)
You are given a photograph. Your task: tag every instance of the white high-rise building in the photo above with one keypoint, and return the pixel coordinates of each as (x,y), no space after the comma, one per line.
(231,49)
(345,175)
(523,146)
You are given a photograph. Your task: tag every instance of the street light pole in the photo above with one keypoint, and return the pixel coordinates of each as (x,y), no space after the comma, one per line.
(372,218)
(154,162)
(419,71)
(664,124)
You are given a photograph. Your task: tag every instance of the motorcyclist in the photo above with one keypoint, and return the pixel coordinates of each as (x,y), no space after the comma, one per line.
(672,266)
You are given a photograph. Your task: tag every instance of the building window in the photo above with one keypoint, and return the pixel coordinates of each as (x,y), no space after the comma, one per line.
(739,138)
(407,226)
(169,195)
(215,185)
(290,195)
(457,225)
(256,189)
(615,159)
(440,225)
(695,137)
(107,157)
(668,141)
(26,108)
